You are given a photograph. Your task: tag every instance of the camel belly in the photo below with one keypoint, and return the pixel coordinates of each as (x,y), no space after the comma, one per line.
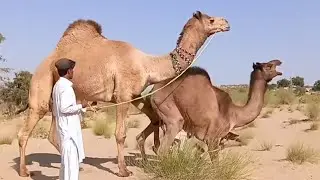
(95,88)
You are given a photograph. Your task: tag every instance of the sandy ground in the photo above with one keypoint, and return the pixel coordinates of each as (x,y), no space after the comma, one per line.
(101,163)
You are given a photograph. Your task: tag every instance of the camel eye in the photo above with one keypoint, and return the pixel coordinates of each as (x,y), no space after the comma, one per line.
(211,21)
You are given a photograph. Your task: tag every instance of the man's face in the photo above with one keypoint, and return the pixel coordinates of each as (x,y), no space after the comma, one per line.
(70,73)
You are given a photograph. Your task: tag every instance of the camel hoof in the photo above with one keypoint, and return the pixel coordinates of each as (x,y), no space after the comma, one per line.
(155,150)
(24,172)
(124,173)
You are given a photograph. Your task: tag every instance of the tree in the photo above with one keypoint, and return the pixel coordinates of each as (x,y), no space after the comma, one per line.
(272,86)
(15,93)
(2,38)
(298,81)
(316,86)
(3,70)
(283,83)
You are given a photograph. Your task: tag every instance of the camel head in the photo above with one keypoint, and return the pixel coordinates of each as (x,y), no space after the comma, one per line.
(209,24)
(267,71)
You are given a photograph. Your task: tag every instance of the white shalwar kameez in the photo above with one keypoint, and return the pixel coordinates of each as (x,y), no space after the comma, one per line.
(68,116)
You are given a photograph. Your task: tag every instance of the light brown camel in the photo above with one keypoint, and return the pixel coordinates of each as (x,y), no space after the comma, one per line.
(192,103)
(110,71)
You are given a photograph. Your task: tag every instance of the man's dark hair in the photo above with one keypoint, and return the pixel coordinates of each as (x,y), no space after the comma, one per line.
(63,65)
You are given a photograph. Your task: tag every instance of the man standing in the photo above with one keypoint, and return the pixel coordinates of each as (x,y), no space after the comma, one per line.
(67,113)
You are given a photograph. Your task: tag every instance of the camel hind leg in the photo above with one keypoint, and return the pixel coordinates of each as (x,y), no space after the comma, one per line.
(152,127)
(39,97)
(53,139)
(23,137)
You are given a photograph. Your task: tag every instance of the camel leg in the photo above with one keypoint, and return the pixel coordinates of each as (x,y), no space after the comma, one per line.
(173,128)
(23,136)
(156,139)
(141,138)
(120,135)
(152,127)
(213,148)
(53,139)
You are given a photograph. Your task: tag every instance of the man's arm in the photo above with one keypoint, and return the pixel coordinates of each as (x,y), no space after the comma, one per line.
(67,104)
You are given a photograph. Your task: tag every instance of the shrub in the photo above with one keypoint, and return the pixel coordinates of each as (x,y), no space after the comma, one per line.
(312,111)
(314,126)
(285,97)
(15,93)
(267,113)
(185,163)
(133,123)
(103,126)
(6,140)
(298,153)
(265,146)
(300,91)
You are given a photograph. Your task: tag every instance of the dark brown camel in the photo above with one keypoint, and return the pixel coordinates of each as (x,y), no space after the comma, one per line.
(192,103)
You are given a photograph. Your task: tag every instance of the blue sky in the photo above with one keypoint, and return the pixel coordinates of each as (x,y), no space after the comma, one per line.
(260,31)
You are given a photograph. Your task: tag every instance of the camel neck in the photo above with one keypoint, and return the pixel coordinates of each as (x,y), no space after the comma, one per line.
(250,111)
(161,68)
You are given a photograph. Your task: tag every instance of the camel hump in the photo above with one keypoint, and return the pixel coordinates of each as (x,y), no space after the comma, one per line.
(84,24)
(196,70)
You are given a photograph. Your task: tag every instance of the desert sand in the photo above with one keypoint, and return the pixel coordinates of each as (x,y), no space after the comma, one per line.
(101,153)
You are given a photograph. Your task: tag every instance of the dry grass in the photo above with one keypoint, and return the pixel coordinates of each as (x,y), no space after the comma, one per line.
(267,114)
(42,129)
(312,111)
(265,146)
(6,140)
(299,153)
(285,97)
(290,109)
(314,126)
(299,107)
(272,98)
(133,123)
(103,125)
(185,163)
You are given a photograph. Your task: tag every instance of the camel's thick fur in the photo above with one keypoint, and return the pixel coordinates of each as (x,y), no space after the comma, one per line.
(192,103)
(110,71)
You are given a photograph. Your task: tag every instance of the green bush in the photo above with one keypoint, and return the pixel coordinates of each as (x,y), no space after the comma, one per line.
(185,163)
(15,93)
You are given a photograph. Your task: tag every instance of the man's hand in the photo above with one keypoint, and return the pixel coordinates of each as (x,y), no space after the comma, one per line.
(93,108)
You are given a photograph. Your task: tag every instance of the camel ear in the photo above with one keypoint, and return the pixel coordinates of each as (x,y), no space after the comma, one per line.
(257,65)
(197,14)
(254,66)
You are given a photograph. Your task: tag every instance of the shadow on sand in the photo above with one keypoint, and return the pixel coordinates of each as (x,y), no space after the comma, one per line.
(46,160)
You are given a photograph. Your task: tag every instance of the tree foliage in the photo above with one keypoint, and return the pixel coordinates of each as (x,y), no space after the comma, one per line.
(316,86)
(283,83)
(3,70)
(15,93)
(272,86)
(2,38)
(298,81)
